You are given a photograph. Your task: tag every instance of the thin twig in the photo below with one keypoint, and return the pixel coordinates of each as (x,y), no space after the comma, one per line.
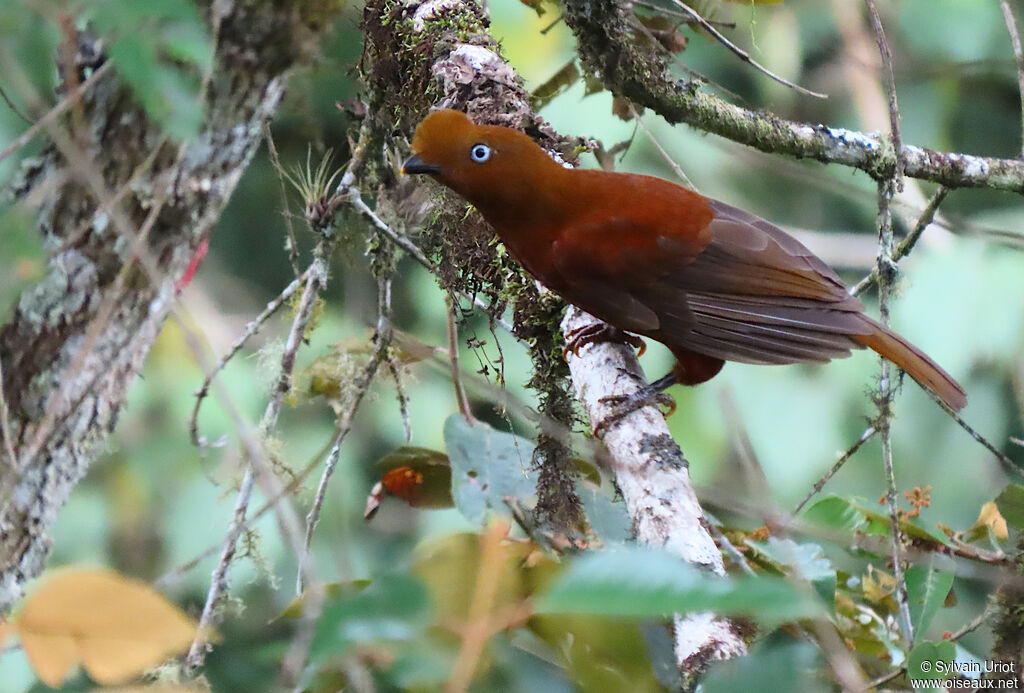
(453,359)
(262,474)
(688,19)
(887,188)
(657,145)
(409,247)
(250,329)
(275,160)
(5,423)
(850,451)
(674,57)
(382,339)
(889,80)
(988,445)
(401,241)
(50,116)
(908,243)
(986,614)
(218,582)
(886,391)
(14,109)
(1018,54)
(403,398)
(740,53)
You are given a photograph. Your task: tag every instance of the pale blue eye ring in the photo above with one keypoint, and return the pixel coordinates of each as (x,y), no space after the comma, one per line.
(480,153)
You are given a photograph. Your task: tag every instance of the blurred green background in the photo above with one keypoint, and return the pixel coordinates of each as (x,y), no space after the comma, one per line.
(151,503)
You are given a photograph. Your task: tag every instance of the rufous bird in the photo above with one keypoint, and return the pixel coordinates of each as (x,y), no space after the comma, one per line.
(709,281)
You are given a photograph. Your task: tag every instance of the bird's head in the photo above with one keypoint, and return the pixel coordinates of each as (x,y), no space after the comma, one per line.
(490,166)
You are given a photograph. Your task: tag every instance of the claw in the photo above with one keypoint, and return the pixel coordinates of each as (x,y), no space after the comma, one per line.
(627,404)
(596,333)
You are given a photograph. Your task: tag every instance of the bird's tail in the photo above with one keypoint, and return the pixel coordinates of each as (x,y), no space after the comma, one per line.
(929,374)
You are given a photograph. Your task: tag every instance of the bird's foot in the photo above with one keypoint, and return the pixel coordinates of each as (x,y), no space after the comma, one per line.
(624,405)
(598,332)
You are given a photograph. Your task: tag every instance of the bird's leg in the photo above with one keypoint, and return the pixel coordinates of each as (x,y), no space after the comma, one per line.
(623,405)
(598,332)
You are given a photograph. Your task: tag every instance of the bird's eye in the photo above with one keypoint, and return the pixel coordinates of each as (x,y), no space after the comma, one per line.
(480,153)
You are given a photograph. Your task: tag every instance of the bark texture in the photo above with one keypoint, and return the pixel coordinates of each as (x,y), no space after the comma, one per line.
(76,340)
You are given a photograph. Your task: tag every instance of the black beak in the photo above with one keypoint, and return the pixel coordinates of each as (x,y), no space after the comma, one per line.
(414,164)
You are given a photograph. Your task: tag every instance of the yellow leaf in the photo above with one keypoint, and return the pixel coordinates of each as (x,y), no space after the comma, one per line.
(878,585)
(992,518)
(6,631)
(115,626)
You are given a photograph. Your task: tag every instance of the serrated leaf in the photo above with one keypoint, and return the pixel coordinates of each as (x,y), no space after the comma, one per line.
(878,585)
(645,582)
(926,592)
(487,465)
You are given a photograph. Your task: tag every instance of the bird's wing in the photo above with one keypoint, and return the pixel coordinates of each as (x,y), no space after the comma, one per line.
(611,266)
(741,290)
(757,295)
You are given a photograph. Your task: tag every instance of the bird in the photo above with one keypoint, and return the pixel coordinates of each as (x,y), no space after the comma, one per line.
(648,257)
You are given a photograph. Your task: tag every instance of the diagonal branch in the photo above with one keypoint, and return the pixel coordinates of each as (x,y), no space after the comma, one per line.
(602,31)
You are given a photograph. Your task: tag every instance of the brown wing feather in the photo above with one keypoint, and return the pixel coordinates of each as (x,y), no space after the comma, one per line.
(740,290)
(757,295)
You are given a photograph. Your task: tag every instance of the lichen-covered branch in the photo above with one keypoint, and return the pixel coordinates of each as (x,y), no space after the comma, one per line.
(654,478)
(604,33)
(65,391)
(438,52)
(441,48)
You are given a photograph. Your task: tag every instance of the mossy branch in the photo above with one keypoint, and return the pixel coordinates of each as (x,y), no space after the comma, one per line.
(603,30)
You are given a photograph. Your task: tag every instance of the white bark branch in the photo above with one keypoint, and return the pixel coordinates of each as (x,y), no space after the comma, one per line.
(654,478)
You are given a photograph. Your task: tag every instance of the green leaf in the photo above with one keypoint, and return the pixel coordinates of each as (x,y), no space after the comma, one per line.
(393,607)
(142,37)
(1011,504)
(836,513)
(487,466)
(804,559)
(778,664)
(165,94)
(645,582)
(854,515)
(930,660)
(926,590)
(606,516)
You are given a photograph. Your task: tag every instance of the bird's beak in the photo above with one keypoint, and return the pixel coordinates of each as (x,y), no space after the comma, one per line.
(414,164)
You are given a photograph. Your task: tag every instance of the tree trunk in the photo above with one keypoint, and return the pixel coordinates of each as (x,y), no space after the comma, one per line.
(122,212)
